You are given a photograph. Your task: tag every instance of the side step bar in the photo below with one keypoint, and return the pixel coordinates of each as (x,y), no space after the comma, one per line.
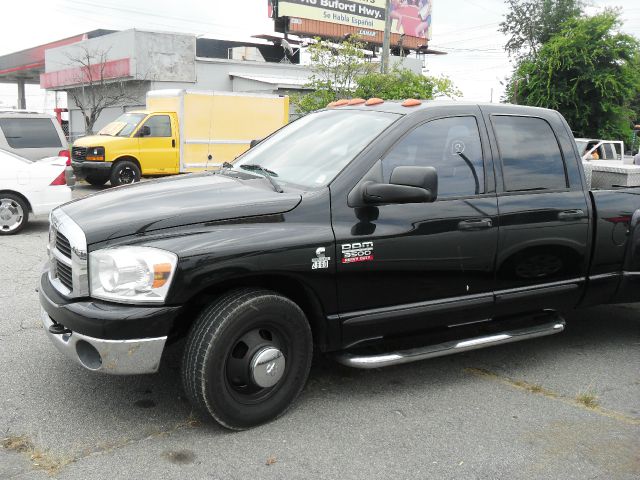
(448,348)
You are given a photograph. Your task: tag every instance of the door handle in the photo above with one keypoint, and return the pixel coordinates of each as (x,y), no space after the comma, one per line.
(173,142)
(576,214)
(475,224)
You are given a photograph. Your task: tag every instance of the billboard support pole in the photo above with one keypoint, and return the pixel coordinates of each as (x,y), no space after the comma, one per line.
(384,63)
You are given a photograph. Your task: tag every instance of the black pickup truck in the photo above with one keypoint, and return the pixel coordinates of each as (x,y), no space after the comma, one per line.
(378,233)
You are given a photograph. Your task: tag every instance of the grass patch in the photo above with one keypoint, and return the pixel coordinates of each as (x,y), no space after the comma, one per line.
(17,443)
(41,460)
(588,399)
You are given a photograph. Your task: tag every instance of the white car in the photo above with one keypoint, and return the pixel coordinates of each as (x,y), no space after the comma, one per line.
(28,187)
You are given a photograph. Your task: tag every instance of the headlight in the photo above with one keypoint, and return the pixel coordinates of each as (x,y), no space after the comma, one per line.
(131,274)
(95,154)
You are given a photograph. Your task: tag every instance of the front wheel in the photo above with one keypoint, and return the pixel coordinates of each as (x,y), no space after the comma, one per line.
(247,358)
(124,172)
(96,180)
(14,214)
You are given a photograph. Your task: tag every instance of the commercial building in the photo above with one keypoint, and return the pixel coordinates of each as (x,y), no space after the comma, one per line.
(122,66)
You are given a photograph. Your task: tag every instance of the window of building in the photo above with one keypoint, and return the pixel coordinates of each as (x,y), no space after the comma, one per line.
(452,146)
(531,157)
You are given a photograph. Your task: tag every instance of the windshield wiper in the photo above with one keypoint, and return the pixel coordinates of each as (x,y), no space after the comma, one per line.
(268,174)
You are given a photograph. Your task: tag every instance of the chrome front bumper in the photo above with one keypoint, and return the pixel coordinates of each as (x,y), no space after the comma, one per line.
(115,357)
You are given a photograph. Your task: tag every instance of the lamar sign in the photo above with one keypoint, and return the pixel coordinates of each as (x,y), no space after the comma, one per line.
(411,18)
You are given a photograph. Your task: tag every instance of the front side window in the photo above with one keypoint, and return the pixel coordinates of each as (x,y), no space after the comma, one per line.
(30,132)
(452,146)
(159,125)
(530,154)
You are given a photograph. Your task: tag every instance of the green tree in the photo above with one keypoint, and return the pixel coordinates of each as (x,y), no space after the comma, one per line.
(531,23)
(335,68)
(400,84)
(342,71)
(590,72)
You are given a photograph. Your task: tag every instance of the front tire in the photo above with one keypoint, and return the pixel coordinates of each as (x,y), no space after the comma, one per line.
(247,358)
(14,214)
(124,172)
(97,180)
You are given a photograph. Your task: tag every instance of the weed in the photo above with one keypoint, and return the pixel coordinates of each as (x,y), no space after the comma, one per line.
(587,399)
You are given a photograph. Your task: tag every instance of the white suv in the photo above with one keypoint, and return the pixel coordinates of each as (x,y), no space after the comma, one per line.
(34,136)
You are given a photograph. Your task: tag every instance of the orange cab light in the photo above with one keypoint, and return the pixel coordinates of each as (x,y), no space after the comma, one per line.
(161,272)
(331,105)
(342,102)
(373,101)
(411,102)
(356,101)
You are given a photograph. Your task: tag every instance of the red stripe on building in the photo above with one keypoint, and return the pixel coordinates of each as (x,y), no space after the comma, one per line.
(110,70)
(22,67)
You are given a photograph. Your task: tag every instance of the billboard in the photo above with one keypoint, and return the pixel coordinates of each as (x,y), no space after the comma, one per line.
(366,18)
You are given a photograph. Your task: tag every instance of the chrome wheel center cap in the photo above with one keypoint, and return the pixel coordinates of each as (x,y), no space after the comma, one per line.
(267,367)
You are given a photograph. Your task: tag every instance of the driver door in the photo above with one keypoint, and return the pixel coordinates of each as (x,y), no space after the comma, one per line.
(422,265)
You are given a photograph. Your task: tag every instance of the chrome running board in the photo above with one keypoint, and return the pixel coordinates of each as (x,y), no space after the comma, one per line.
(448,348)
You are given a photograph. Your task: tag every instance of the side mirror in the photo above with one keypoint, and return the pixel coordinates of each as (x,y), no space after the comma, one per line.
(145,131)
(407,185)
(254,142)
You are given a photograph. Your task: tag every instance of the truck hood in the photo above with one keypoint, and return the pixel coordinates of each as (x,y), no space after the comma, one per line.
(172,202)
(98,141)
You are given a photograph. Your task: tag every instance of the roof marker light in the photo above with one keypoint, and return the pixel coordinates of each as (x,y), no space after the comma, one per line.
(357,101)
(341,103)
(411,102)
(373,101)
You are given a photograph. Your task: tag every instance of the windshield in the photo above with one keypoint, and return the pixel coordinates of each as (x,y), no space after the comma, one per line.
(124,125)
(311,151)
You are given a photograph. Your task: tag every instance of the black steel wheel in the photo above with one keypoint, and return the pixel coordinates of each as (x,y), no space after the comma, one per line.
(124,172)
(247,358)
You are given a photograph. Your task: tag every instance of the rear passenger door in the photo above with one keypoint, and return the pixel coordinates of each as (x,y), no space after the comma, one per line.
(543,211)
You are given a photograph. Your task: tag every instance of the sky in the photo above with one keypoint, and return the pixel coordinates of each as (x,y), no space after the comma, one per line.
(466,29)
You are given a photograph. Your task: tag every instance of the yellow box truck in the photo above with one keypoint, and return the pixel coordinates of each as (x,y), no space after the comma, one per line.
(179,131)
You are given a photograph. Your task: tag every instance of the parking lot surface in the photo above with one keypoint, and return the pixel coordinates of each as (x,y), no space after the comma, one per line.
(566,406)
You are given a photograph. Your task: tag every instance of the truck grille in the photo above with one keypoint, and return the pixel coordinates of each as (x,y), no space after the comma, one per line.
(67,256)
(63,273)
(63,245)
(79,154)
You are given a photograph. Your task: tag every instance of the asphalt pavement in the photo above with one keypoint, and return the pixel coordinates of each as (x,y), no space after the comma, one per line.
(565,406)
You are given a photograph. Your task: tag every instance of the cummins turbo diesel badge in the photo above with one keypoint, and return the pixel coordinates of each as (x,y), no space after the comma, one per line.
(357,252)
(320,261)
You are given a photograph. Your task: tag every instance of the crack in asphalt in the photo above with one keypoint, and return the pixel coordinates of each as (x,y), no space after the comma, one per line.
(545,392)
(52,464)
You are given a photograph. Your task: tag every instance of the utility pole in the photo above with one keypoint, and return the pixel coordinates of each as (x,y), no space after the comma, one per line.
(384,63)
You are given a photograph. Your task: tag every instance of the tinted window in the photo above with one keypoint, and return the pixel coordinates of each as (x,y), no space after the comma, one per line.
(531,157)
(452,146)
(30,132)
(160,126)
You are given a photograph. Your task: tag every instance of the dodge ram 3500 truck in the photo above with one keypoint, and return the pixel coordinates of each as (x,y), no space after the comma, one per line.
(376,232)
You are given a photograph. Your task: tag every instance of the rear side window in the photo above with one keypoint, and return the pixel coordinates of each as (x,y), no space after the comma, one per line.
(30,133)
(531,157)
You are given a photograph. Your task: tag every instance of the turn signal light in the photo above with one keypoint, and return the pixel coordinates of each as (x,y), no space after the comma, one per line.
(59,180)
(161,273)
